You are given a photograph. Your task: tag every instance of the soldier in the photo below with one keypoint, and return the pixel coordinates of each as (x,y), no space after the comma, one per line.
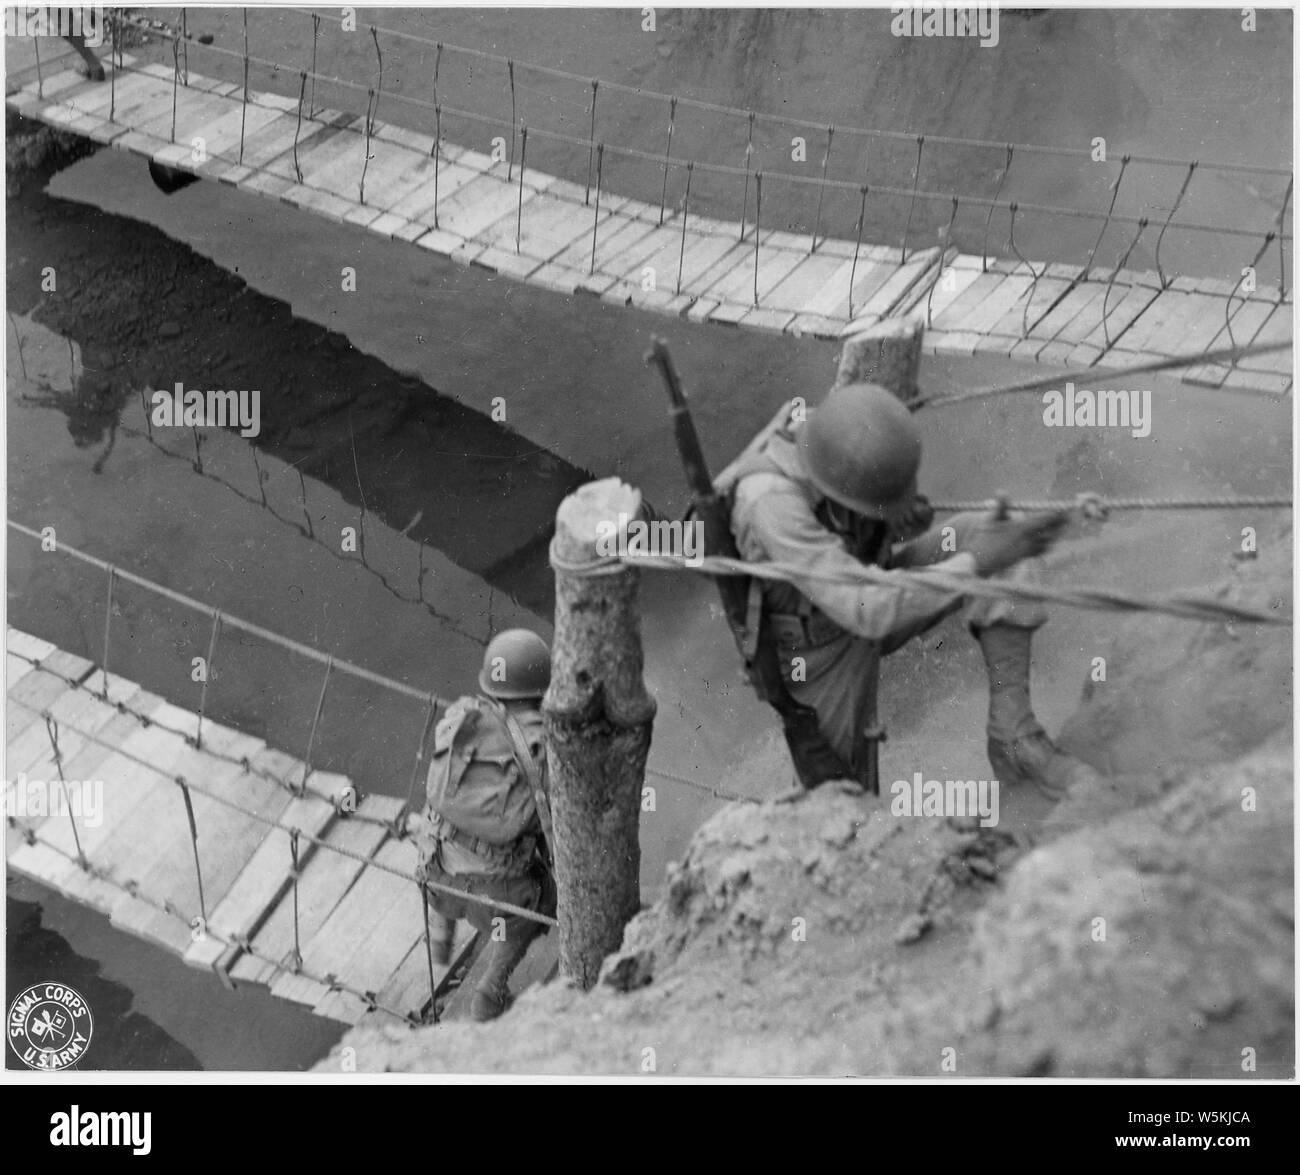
(832,491)
(487,818)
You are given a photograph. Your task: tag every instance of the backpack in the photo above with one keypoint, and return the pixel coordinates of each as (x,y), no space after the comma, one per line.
(483,779)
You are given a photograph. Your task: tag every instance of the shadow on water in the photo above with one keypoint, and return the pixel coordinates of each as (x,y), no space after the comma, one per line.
(147,310)
(122,1038)
(150,1011)
(378,448)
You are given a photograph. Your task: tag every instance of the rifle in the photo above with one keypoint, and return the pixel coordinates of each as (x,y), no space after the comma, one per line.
(709,506)
(815,760)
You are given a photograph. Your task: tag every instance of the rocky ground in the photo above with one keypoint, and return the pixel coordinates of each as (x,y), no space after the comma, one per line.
(1141,929)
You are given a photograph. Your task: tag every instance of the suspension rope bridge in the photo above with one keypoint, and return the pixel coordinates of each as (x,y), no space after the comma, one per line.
(248,923)
(506,216)
(258,865)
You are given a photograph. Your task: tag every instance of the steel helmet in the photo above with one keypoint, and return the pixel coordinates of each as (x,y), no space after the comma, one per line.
(516,664)
(861,449)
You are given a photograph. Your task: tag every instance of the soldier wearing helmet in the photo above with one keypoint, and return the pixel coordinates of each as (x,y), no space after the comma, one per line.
(825,490)
(486,821)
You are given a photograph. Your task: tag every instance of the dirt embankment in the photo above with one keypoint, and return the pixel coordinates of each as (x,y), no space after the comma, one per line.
(1144,929)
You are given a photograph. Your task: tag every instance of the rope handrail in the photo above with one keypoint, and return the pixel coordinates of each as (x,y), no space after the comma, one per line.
(1101,506)
(788,120)
(231,621)
(740,172)
(1183,605)
(1224,356)
(295,646)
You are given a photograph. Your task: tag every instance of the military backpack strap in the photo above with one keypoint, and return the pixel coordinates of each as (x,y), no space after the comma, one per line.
(528,765)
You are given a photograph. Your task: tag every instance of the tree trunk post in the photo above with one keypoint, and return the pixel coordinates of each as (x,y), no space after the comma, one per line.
(888,354)
(598,718)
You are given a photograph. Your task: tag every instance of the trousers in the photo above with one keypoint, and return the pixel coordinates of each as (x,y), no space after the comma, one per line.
(508,935)
(840,673)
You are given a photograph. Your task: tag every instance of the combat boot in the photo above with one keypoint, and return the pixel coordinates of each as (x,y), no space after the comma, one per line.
(1034,758)
(488,1004)
(441,933)
(1019,748)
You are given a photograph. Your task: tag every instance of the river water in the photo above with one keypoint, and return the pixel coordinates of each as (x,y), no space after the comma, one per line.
(376,412)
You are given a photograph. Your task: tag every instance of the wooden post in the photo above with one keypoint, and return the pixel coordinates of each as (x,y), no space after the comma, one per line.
(598,718)
(887,353)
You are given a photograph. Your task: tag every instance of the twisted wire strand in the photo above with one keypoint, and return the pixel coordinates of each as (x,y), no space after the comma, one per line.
(1184,605)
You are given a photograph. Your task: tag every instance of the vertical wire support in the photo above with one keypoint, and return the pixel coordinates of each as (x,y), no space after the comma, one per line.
(194,841)
(416,771)
(749,154)
(379,85)
(52,729)
(437,66)
(295,872)
(595,220)
(315,724)
(108,623)
(916,179)
(857,247)
(428,950)
(1015,249)
(591,139)
(302,490)
(1114,273)
(365,163)
(302,93)
(437,152)
(523,161)
(758,221)
(112,79)
(207,677)
(185,46)
(261,478)
(821,192)
(686,210)
(1281,241)
(510,166)
(945,235)
(315,35)
(40,77)
(668,152)
(176,77)
(988,220)
(1187,179)
(1227,306)
(1114,195)
(243,110)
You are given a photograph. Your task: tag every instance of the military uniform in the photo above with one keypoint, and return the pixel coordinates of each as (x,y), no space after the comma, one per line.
(840,629)
(474,744)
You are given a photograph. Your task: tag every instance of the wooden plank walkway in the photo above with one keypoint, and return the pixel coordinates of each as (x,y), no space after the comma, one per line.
(536,228)
(359,924)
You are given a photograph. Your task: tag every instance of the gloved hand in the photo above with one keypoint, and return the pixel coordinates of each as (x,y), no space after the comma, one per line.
(914,521)
(1001,543)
